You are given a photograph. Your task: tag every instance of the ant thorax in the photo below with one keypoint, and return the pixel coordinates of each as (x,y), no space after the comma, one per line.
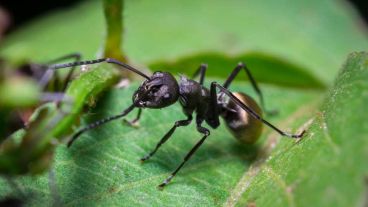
(192,94)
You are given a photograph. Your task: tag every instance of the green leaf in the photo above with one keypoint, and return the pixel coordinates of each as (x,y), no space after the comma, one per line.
(326,167)
(103,168)
(18,92)
(311,34)
(265,68)
(33,154)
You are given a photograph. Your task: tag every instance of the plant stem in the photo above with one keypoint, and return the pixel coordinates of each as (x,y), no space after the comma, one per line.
(113,10)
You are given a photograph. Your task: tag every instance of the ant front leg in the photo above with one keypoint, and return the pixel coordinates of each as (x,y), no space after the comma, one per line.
(180,123)
(252,81)
(205,133)
(134,122)
(108,119)
(99,123)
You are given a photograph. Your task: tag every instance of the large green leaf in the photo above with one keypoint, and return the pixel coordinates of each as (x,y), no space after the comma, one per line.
(312,34)
(325,168)
(103,168)
(309,38)
(328,167)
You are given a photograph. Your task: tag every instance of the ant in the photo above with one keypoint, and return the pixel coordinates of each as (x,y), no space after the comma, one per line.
(241,113)
(43,75)
(51,88)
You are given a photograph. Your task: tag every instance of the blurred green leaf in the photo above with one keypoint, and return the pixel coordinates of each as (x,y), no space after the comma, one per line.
(34,153)
(311,34)
(18,92)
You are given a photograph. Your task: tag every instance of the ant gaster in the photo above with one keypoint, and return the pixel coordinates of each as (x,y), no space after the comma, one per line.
(241,113)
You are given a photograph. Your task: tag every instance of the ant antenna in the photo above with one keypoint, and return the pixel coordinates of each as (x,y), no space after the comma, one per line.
(91,62)
(254,114)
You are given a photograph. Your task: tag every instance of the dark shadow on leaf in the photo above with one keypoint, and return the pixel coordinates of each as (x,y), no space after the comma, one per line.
(266,68)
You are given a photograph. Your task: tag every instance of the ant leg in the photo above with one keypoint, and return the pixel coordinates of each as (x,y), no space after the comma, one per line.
(200,71)
(252,81)
(99,123)
(252,112)
(91,62)
(49,72)
(201,130)
(77,57)
(46,78)
(168,135)
(56,81)
(134,122)
(53,97)
(213,114)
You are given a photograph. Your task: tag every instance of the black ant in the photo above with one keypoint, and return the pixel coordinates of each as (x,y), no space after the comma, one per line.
(241,113)
(43,75)
(51,88)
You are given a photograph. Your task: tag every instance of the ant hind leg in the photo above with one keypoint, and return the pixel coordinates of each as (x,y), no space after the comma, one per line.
(252,112)
(253,82)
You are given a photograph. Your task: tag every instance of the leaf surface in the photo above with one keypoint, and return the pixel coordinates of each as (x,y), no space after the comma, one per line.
(103,166)
(307,40)
(325,168)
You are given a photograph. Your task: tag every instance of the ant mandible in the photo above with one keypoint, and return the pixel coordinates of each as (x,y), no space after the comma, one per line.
(241,113)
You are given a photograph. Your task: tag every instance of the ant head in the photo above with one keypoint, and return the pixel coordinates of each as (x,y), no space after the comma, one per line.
(159,91)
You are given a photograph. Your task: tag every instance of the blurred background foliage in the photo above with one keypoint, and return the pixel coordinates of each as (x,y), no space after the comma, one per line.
(316,35)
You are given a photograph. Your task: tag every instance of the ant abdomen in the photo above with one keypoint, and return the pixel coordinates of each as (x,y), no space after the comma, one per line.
(240,123)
